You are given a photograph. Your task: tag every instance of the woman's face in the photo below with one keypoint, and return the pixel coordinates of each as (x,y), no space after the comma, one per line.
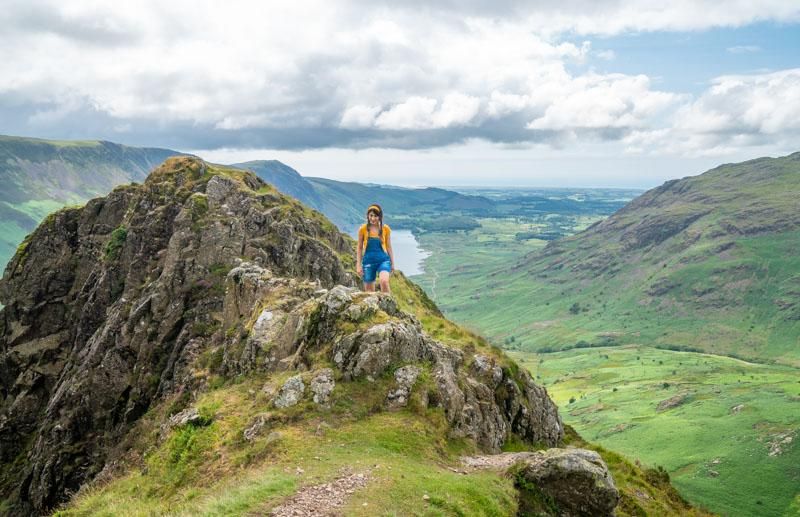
(373,218)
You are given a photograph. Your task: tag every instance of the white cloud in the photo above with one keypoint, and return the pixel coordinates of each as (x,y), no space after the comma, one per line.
(597,102)
(354,73)
(743,49)
(359,117)
(415,113)
(760,110)
(607,55)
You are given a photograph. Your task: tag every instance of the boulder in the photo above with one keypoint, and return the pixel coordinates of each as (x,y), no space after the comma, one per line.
(322,386)
(187,416)
(290,393)
(576,481)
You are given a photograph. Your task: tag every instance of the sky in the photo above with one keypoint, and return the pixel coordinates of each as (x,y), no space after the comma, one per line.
(471,92)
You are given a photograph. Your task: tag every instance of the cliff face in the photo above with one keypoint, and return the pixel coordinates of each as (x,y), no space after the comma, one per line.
(145,293)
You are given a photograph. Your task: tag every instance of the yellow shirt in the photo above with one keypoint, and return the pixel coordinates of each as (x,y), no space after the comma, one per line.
(363,235)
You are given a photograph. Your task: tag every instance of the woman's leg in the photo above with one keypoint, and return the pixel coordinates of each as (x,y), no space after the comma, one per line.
(384,278)
(369,287)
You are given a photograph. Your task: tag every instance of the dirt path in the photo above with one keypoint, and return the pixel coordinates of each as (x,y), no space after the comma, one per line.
(430,267)
(322,500)
(500,461)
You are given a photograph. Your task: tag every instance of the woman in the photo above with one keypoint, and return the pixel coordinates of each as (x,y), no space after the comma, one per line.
(374,252)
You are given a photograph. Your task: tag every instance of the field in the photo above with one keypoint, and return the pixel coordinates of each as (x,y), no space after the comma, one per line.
(726,430)
(718,456)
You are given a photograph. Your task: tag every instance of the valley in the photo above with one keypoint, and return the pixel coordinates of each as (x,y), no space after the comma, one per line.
(591,334)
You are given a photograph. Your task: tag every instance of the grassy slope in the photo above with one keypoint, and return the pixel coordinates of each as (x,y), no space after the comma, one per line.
(212,471)
(718,456)
(727,283)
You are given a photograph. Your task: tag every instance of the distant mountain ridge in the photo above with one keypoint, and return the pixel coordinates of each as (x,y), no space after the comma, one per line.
(345,202)
(39,176)
(708,262)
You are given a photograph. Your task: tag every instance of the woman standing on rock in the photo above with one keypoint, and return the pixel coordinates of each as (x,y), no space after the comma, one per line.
(374,255)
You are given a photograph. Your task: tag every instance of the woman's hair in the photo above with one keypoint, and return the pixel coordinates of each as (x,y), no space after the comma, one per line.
(376,208)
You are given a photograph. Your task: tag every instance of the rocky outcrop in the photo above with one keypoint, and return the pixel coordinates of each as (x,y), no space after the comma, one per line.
(405,378)
(322,386)
(113,307)
(110,306)
(367,337)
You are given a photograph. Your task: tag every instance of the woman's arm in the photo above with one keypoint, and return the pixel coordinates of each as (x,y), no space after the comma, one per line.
(389,249)
(358,252)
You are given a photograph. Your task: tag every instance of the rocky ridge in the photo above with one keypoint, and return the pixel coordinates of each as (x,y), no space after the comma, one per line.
(142,295)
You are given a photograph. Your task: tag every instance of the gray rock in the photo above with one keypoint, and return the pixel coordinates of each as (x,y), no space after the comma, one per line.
(577,480)
(484,403)
(405,378)
(257,426)
(187,416)
(290,393)
(322,386)
(486,368)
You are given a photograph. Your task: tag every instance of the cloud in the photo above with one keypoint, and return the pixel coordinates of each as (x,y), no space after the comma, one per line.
(607,55)
(735,111)
(604,101)
(355,74)
(743,49)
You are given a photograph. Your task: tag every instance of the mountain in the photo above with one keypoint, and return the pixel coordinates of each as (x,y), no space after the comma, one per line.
(708,263)
(40,176)
(193,344)
(345,203)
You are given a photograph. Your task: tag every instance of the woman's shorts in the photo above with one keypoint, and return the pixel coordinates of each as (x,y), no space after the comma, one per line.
(372,269)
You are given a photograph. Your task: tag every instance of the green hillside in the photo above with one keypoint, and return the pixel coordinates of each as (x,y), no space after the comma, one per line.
(708,263)
(724,429)
(38,177)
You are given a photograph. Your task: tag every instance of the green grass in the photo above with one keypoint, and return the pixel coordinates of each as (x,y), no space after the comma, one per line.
(616,393)
(211,470)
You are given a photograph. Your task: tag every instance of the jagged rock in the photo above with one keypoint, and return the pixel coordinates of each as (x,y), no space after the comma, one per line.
(322,386)
(405,378)
(187,416)
(485,403)
(290,393)
(370,353)
(486,368)
(257,426)
(109,307)
(577,481)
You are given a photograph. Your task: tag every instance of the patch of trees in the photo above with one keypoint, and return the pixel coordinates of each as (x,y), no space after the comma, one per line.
(545,236)
(447,223)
